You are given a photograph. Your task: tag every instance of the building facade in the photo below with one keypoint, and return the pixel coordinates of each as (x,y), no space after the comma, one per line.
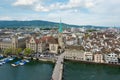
(48,43)
(98,58)
(88,56)
(111,58)
(13,42)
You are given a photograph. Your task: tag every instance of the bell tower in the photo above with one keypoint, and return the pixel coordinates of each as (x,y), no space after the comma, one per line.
(60,36)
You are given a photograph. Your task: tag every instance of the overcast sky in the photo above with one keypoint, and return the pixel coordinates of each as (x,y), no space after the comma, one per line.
(79,12)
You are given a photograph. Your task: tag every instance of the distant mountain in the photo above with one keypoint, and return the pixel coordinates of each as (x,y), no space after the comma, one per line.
(41,24)
(34,23)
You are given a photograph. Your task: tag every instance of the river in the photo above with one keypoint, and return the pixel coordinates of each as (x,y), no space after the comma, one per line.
(37,70)
(34,70)
(83,71)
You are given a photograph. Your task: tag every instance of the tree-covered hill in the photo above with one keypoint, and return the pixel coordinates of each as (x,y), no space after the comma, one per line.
(34,23)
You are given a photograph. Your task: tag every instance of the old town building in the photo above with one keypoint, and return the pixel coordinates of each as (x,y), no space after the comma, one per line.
(12,42)
(98,58)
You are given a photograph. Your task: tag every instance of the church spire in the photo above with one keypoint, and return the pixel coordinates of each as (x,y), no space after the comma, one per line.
(60,27)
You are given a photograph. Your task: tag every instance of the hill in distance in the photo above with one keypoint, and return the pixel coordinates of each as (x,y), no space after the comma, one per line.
(38,23)
(34,23)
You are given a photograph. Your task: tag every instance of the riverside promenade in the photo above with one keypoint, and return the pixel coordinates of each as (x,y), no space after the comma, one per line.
(58,69)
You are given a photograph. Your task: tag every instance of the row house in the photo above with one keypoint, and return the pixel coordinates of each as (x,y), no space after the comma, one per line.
(88,56)
(111,58)
(98,58)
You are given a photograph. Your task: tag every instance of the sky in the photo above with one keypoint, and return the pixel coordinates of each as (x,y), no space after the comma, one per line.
(78,12)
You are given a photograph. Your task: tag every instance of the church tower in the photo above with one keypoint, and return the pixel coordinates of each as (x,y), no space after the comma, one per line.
(60,37)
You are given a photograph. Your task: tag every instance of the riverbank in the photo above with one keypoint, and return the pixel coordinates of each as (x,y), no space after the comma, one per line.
(88,62)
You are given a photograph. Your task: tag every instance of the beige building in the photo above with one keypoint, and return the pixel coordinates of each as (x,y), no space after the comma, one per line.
(53,48)
(13,42)
(32,43)
(45,43)
(88,56)
(98,58)
(74,54)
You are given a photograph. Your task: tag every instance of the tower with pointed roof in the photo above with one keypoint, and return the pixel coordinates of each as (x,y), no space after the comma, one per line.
(60,37)
(60,27)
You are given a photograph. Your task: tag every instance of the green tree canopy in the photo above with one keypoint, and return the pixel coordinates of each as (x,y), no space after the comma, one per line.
(8,51)
(27,51)
(18,50)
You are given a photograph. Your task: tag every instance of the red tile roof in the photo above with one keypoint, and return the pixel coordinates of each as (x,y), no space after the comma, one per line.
(45,39)
(49,39)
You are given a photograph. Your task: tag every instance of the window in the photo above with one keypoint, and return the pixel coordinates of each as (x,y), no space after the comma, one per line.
(53,47)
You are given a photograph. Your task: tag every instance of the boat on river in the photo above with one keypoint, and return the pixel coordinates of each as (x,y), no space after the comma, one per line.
(6,60)
(20,62)
(1,56)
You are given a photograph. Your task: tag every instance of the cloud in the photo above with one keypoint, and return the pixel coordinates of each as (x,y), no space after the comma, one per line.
(41,8)
(97,12)
(24,2)
(5,18)
(40,5)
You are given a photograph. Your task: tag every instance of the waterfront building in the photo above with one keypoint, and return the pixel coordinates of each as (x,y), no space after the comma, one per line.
(32,43)
(74,54)
(41,46)
(111,58)
(12,42)
(98,58)
(50,43)
(88,56)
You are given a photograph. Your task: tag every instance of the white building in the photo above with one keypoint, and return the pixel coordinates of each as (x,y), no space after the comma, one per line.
(88,56)
(111,58)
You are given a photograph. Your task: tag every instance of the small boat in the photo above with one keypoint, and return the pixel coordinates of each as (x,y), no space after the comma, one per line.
(10,58)
(6,60)
(1,63)
(1,56)
(27,60)
(16,63)
(23,62)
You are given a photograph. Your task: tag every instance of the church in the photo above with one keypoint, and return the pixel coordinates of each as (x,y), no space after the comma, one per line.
(47,43)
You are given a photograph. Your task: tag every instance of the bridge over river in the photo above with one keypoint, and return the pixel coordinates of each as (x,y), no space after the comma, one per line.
(58,69)
(68,54)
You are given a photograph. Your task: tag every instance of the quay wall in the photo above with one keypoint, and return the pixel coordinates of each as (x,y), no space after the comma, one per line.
(91,62)
(43,59)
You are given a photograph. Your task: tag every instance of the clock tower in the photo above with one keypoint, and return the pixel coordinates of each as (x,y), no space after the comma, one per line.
(60,36)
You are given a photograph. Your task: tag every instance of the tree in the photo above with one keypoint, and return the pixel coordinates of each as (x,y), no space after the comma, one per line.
(27,51)
(18,50)
(8,51)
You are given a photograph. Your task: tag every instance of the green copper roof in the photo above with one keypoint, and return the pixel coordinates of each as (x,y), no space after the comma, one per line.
(60,27)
